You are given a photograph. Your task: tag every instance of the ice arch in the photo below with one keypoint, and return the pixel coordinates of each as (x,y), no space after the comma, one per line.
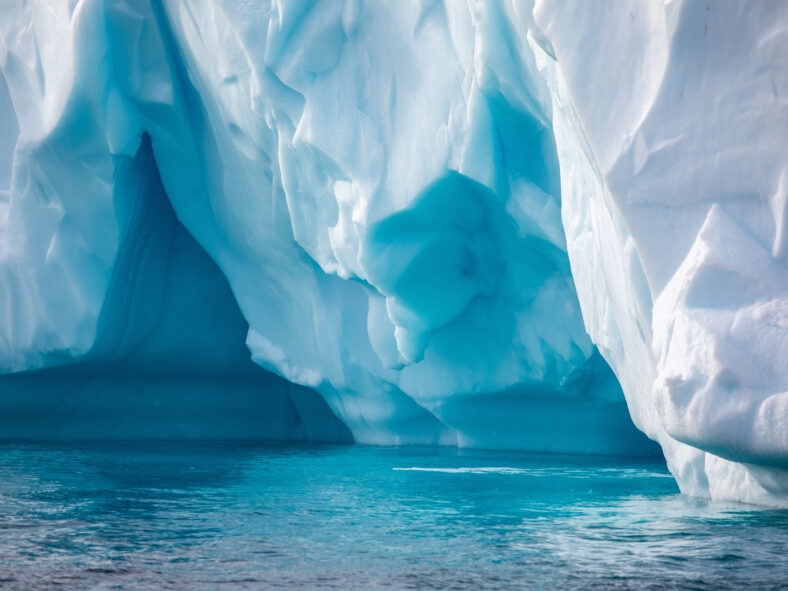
(168,360)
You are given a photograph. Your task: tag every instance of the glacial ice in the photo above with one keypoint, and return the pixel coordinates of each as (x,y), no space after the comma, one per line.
(437,221)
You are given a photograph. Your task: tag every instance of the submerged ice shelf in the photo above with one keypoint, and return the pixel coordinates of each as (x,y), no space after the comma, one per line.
(428,223)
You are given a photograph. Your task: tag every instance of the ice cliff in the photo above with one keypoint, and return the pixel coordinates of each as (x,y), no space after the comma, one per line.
(446,218)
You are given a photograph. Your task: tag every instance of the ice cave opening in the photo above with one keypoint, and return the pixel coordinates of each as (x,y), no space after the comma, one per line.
(169,359)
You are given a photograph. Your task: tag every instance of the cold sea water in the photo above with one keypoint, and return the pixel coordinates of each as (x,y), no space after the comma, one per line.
(305,516)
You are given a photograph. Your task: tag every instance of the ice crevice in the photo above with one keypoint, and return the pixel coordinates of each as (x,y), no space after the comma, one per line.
(494,224)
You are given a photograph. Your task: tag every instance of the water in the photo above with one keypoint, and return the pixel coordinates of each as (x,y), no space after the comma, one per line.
(252,516)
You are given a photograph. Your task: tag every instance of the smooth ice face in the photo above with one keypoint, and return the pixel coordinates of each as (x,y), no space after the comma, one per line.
(406,200)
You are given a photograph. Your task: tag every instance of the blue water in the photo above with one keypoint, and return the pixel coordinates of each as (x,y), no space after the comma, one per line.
(253,516)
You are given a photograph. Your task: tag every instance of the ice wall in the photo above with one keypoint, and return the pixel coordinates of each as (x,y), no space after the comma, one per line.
(131,326)
(671,123)
(406,200)
(387,214)
(419,232)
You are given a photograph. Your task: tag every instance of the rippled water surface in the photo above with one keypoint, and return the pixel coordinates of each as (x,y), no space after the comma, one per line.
(254,516)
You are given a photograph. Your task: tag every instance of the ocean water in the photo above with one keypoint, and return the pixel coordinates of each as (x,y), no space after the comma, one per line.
(290,516)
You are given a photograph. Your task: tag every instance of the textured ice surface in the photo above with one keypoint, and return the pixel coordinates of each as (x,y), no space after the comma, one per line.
(389,225)
(674,179)
(406,200)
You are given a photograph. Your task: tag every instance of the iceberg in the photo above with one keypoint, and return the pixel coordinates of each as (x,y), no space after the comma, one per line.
(545,226)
